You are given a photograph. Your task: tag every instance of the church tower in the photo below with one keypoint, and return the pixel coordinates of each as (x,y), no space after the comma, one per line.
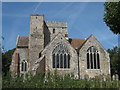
(36,38)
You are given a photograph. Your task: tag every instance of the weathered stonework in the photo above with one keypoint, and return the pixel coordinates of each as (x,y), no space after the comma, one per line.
(104,59)
(58,26)
(19,55)
(36,38)
(59,39)
(34,54)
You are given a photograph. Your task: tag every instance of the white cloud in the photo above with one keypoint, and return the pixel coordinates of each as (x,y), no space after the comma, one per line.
(37,7)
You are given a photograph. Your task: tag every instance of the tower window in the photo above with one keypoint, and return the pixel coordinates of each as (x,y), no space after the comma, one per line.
(40,55)
(36,17)
(63,27)
(93,61)
(53,30)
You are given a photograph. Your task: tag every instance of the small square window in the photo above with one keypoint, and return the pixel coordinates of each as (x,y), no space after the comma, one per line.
(53,30)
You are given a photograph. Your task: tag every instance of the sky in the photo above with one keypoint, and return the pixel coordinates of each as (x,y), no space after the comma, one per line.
(83,18)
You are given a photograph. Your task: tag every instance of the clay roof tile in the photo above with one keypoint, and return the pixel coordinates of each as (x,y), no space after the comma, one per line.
(77,43)
(23,41)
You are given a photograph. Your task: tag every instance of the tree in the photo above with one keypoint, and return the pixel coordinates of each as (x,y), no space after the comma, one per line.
(112,16)
(114,60)
(6,60)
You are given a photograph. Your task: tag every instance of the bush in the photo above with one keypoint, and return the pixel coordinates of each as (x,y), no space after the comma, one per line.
(55,81)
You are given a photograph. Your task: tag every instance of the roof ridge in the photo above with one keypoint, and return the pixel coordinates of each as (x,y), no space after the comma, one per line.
(23,36)
(77,38)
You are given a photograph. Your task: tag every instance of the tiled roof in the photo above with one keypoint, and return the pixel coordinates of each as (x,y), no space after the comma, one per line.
(22,41)
(77,43)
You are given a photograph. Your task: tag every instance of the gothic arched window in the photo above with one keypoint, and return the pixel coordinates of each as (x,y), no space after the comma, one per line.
(61,57)
(93,61)
(24,66)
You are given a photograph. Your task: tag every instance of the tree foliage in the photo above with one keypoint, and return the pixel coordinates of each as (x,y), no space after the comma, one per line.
(115,60)
(6,60)
(112,16)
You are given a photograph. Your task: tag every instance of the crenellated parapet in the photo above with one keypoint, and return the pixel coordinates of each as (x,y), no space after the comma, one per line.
(55,24)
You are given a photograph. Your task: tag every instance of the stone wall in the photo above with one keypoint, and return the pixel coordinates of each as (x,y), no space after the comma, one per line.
(41,68)
(56,27)
(59,39)
(23,54)
(36,38)
(47,35)
(19,55)
(104,59)
(12,66)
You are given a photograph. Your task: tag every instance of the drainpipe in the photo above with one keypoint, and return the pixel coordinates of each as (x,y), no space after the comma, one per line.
(78,63)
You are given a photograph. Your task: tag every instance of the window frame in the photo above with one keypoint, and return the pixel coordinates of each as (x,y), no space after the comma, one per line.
(53,30)
(24,66)
(58,51)
(92,58)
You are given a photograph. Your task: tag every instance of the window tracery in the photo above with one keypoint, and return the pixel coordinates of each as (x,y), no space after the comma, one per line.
(61,57)
(93,61)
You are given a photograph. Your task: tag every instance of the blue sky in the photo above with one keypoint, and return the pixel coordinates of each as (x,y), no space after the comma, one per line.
(83,18)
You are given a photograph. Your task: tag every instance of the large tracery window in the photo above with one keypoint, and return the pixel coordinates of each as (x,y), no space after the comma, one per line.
(61,57)
(93,61)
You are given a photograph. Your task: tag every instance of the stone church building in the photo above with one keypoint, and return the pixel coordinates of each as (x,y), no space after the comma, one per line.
(48,49)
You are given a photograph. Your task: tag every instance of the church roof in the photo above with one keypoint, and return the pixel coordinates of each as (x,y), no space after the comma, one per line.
(77,43)
(22,41)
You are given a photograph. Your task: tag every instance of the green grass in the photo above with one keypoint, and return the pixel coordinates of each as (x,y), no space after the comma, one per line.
(55,81)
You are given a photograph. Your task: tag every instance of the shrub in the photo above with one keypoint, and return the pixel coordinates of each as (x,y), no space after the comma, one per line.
(55,81)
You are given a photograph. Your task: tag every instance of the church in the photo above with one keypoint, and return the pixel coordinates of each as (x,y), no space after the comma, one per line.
(48,49)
